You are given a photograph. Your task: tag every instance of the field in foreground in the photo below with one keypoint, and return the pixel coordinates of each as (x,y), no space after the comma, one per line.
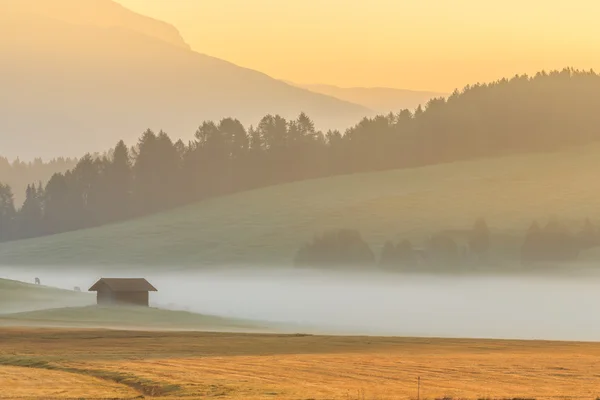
(122,364)
(267,226)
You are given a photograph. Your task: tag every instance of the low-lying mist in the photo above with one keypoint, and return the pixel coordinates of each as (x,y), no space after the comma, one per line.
(553,308)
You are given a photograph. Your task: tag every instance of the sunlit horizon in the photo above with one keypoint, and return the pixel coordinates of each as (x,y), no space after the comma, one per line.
(384,43)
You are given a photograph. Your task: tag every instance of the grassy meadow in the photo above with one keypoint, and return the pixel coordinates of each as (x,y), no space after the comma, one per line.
(18,296)
(125,317)
(267,226)
(126,364)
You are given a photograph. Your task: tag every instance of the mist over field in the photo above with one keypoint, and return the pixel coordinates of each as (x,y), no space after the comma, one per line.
(553,308)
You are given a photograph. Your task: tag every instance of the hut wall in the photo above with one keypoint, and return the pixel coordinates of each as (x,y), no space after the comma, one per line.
(132,298)
(104,297)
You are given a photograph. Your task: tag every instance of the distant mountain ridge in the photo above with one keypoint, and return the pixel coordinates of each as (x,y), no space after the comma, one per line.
(72,85)
(103,14)
(379,99)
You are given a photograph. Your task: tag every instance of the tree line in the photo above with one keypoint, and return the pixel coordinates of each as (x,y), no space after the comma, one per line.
(18,173)
(346,248)
(157,173)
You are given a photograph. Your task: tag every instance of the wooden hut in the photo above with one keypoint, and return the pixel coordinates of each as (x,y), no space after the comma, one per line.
(123,291)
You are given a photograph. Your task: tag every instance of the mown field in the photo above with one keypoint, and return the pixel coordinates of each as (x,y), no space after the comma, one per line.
(37,363)
(267,226)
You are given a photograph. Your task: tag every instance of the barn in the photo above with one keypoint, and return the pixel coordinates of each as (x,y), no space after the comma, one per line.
(123,291)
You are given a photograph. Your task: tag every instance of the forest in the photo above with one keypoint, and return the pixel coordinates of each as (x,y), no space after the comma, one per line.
(540,113)
(18,173)
(470,248)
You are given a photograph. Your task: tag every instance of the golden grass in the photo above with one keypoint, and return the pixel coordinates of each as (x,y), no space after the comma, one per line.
(20,382)
(240,366)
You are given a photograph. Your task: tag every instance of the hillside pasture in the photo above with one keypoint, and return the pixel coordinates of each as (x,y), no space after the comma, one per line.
(126,318)
(267,226)
(18,296)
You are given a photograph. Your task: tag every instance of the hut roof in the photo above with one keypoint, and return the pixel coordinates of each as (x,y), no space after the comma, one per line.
(124,285)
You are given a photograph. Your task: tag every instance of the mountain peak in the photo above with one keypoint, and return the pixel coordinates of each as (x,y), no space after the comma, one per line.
(100,13)
(79,75)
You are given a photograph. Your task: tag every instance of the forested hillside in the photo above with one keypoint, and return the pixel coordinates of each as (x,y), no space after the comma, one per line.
(266,227)
(522,114)
(18,174)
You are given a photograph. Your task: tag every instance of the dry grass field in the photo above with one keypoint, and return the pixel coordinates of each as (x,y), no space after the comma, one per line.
(45,363)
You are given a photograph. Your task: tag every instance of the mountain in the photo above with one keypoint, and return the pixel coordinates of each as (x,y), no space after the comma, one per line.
(75,82)
(267,226)
(99,13)
(381,100)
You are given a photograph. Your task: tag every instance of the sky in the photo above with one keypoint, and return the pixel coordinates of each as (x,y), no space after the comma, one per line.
(435,45)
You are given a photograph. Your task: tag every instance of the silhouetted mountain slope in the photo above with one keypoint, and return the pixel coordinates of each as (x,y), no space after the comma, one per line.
(100,13)
(68,88)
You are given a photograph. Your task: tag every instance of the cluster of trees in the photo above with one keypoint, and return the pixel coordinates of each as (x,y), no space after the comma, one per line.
(18,174)
(510,115)
(346,248)
(555,243)
(342,248)
(158,173)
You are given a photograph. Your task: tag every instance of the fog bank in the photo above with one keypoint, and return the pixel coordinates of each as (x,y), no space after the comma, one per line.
(374,304)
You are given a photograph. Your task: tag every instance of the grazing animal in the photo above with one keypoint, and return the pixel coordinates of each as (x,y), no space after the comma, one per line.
(37,281)
(77,289)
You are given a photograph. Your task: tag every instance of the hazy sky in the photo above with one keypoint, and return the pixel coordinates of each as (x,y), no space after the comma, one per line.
(412,44)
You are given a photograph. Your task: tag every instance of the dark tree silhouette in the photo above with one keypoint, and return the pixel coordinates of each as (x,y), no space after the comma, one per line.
(19,174)
(29,217)
(553,243)
(119,178)
(337,248)
(7,213)
(503,117)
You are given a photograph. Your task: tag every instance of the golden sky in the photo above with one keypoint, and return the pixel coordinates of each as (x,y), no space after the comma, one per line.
(410,44)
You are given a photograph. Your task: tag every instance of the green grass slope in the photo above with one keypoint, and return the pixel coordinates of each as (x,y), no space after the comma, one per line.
(19,296)
(124,317)
(267,226)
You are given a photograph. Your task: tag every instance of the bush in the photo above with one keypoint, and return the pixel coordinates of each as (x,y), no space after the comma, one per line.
(340,248)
